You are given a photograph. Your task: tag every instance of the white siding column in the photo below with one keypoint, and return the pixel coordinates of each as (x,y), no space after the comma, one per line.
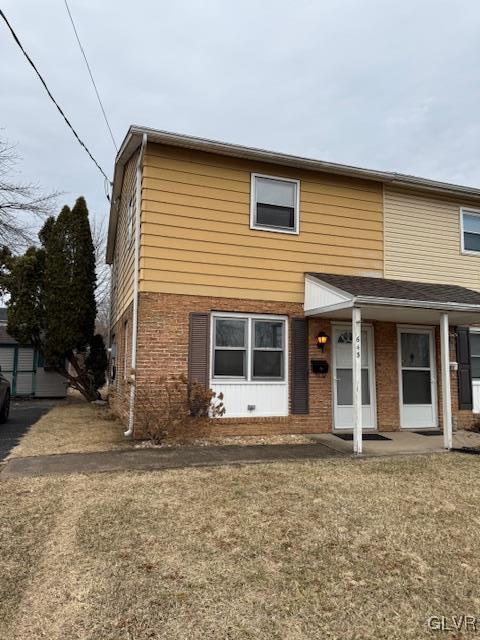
(357,379)
(446,393)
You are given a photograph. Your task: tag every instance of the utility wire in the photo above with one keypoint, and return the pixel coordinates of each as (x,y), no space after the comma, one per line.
(91,75)
(32,64)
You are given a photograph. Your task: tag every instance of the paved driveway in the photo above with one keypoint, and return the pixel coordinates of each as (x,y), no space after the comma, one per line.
(23,413)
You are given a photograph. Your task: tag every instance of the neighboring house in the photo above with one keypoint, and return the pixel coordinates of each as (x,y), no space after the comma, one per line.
(255,272)
(25,369)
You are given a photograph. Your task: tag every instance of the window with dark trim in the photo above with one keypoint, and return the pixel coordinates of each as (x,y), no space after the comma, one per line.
(274,204)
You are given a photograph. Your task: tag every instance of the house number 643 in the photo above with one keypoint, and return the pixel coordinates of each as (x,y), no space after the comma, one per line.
(357,347)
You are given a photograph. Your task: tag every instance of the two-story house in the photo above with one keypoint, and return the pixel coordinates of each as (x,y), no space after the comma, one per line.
(315,296)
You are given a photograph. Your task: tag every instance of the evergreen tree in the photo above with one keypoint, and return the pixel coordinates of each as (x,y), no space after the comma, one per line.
(52,300)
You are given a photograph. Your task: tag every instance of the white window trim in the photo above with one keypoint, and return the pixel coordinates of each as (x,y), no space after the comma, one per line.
(248,380)
(472,212)
(253,203)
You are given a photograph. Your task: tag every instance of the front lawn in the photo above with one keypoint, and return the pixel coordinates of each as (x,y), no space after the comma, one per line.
(72,426)
(335,549)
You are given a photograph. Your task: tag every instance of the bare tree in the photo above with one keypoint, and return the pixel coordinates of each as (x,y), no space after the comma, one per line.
(22,206)
(102,293)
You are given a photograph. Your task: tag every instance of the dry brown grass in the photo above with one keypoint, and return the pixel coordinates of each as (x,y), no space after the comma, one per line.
(72,426)
(336,549)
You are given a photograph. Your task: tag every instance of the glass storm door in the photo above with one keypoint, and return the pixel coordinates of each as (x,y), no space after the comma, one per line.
(418,398)
(342,378)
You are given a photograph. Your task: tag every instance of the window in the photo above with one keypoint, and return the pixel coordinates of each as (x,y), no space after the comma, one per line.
(274,204)
(130,220)
(475,354)
(248,348)
(267,349)
(230,348)
(470,223)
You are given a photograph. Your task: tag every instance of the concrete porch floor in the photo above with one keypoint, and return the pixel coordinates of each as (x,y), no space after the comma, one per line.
(399,443)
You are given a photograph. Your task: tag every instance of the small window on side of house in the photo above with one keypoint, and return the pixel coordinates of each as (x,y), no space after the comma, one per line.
(274,204)
(130,220)
(470,231)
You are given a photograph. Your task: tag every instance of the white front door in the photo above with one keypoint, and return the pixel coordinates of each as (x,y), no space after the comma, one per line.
(418,383)
(342,378)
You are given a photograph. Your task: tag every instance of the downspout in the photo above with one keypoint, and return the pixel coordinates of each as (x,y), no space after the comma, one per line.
(136,261)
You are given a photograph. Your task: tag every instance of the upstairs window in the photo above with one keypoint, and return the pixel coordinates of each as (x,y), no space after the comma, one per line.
(274,204)
(470,230)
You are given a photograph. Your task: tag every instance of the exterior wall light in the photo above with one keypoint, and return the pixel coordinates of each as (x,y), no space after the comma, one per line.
(322,340)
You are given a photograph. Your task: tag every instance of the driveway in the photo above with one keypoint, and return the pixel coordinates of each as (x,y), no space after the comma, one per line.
(23,413)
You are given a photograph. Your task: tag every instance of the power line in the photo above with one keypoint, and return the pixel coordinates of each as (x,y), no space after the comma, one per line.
(32,64)
(91,75)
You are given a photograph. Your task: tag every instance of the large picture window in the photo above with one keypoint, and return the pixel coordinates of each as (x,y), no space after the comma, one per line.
(274,204)
(248,347)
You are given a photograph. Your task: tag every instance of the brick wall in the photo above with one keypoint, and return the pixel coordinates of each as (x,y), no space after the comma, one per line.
(386,376)
(163,351)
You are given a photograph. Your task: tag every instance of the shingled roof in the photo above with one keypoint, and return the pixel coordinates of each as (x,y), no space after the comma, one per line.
(400,289)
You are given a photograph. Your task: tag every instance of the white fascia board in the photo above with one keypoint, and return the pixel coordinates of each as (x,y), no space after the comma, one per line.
(420,304)
(264,155)
(329,308)
(130,144)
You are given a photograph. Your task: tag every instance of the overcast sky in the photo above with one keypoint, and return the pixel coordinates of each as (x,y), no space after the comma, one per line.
(385,84)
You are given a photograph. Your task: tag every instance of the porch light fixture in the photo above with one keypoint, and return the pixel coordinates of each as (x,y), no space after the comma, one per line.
(322,340)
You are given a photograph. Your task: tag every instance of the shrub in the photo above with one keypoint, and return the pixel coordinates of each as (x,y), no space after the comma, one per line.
(179,405)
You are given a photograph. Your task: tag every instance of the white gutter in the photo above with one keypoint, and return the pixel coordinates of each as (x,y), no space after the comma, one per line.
(419,304)
(136,261)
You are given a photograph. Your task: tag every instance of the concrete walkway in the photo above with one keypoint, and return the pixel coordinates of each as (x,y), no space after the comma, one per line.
(159,459)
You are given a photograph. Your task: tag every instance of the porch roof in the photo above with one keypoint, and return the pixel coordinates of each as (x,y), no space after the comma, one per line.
(334,295)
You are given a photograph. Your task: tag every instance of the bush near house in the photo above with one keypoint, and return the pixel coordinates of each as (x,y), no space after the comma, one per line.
(179,406)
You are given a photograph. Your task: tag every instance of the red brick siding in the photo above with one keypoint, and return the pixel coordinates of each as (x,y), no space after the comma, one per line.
(163,351)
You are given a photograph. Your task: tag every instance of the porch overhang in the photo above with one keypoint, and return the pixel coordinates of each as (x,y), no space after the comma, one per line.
(364,298)
(335,296)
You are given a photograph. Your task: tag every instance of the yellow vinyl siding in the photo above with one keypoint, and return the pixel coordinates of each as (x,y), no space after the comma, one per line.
(423,241)
(196,236)
(122,293)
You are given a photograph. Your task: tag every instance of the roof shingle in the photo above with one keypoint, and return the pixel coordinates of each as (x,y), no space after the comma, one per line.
(400,289)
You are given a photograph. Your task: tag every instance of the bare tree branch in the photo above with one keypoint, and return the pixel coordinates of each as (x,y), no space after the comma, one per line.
(102,293)
(22,206)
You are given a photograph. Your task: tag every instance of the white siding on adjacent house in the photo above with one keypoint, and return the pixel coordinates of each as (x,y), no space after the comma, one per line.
(422,239)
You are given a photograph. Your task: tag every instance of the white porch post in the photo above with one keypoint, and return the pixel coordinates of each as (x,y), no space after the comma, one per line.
(357,379)
(446,393)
